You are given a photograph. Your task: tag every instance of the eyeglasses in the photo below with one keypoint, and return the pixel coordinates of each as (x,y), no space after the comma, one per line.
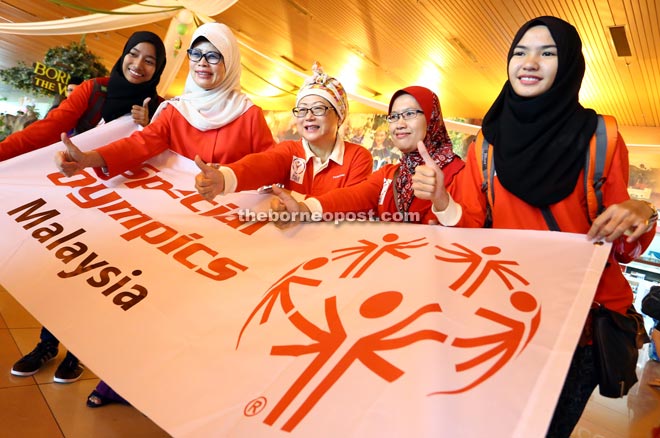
(407,115)
(196,55)
(301,112)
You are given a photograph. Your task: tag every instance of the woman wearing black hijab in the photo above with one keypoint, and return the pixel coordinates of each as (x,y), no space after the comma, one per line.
(540,134)
(130,84)
(133,79)
(130,89)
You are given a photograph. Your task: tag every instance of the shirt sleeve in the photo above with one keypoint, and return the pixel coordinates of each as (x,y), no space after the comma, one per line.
(130,152)
(360,166)
(47,131)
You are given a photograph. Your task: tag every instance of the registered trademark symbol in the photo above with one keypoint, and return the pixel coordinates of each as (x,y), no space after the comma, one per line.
(255,406)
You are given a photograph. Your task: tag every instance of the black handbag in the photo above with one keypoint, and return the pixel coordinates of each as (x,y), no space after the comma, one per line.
(651,303)
(617,339)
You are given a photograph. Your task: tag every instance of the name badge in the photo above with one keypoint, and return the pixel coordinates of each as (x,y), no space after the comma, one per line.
(298,166)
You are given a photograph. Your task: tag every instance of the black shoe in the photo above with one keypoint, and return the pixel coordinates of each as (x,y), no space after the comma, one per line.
(69,370)
(33,361)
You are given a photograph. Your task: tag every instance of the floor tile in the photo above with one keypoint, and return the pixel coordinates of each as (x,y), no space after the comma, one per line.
(9,353)
(13,314)
(24,413)
(68,403)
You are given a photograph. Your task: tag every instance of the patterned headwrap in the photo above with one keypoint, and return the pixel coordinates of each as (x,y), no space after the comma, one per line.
(329,88)
(436,141)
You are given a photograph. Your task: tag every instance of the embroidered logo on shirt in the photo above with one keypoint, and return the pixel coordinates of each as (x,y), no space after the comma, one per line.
(341,175)
(298,166)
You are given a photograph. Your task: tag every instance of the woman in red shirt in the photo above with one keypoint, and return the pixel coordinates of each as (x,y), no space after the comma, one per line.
(130,89)
(414,119)
(213,119)
(315,164)
(540,134)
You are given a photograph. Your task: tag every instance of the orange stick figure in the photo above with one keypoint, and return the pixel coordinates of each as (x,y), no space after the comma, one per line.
(474,259)
(282,290)
(369,247)
(363,350)
(505,343)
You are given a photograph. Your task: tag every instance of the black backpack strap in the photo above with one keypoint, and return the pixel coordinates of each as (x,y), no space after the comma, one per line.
(488,176)
(550,220)
(599,163)
(92,115)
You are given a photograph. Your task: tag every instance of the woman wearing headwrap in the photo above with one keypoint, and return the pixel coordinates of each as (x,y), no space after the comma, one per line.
(212,119)
(130,89)
(319,162)
(540,134)
(414,118)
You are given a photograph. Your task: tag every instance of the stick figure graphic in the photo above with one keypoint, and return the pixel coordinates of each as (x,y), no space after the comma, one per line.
(372,247)
(474,259)
(504,343)
(282,290)
(364,350)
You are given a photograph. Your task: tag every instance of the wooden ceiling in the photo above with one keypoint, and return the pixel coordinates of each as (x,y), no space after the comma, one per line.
(456,47)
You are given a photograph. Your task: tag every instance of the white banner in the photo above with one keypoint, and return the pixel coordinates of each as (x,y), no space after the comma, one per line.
(214,327)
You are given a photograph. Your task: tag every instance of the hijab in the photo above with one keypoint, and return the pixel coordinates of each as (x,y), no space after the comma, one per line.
(122,95)
(437,142)
(540,142)
(215,108)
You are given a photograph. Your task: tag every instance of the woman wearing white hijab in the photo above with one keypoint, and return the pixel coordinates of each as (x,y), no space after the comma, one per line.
(212,119)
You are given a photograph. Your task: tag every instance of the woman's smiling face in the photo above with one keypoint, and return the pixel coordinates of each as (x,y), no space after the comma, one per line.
(207,76)
(139,64)
(318,130)
(407,133)
(533,66)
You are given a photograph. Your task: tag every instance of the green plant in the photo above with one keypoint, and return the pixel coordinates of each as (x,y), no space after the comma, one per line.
(74,59)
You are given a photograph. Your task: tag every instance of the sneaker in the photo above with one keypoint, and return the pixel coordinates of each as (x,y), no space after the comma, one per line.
(69,370)
(34,360)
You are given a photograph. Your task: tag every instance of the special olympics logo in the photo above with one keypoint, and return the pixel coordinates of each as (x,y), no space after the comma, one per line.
(334,331)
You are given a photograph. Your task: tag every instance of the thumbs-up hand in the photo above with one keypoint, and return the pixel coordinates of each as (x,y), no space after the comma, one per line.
(140,114)
(286,210)
(72,160)
(428,182)
(209,182)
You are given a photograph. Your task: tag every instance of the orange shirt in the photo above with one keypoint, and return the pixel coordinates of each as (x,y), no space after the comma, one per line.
(47,131)
(377,194)
(570,213)
(247,134)
(278,165)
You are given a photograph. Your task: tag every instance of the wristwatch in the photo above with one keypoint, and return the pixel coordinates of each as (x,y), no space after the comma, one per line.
(653,218)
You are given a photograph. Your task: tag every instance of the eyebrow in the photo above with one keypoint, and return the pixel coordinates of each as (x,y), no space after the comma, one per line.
(549,46)
(135,49)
